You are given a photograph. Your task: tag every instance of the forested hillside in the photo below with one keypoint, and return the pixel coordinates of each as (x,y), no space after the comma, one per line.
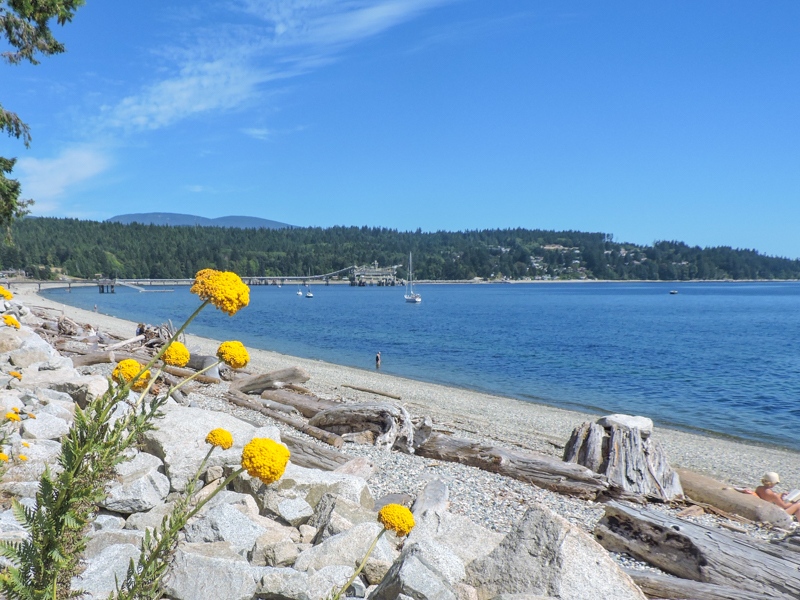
(47,247)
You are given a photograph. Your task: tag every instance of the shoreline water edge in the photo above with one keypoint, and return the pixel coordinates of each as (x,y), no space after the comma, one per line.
(483,416)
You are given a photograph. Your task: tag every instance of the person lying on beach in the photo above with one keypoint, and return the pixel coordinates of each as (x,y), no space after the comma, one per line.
(765,492)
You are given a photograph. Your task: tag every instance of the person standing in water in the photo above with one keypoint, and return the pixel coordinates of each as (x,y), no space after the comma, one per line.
(378,360)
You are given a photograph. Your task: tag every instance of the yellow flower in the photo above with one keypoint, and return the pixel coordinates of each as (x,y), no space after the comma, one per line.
(220,438)
(5,294)
(224,289)
(233,354)
(22,457)
(11,321)
(126,370)
(15,409)
(3,456)
(176,355)
(16,374)
(26,444)
(12,416)
(265,459)
(31,416)
(397,518)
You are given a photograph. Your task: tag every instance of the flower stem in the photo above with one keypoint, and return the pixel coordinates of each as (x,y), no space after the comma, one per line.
(360,567)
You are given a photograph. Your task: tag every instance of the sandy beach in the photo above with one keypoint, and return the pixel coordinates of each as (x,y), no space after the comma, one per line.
(481,416)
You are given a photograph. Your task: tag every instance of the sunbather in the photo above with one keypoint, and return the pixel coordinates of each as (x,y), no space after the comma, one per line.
(765,492)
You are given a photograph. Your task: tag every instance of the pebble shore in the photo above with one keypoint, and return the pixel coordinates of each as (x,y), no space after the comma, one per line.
(494,501)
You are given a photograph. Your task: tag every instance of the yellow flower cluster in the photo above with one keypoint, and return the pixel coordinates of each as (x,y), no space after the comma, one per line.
(16,374)
(11,321)
(176,355)
(126,370)
(397,518)
(220,438)
(3,456)
(12,416)
(224,289)
(265,459)
(233,354)
(22,457)
(5,294)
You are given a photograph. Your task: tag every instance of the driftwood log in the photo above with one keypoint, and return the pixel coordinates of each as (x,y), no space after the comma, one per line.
(655,585)
(138,338)
(541,470)
(112,356)
(320,434)
(700,553)
(371,391)
(722,496)
(390,424)
(307,404)
(284,408)
(631,460)
(256,384)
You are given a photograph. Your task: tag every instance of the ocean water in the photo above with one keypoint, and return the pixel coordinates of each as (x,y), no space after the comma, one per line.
(719,357)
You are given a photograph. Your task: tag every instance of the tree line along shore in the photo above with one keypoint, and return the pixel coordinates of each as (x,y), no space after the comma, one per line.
(48,248)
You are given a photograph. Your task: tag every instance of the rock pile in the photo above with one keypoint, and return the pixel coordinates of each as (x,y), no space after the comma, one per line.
(297,539)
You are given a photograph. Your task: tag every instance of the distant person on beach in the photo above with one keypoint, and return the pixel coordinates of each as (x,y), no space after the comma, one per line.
(95,308)
(378,360)
(765,492)
(140,329)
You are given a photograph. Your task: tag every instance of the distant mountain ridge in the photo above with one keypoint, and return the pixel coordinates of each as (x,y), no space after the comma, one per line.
(179,220)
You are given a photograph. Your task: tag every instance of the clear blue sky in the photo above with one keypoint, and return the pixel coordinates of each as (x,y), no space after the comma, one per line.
(648,120)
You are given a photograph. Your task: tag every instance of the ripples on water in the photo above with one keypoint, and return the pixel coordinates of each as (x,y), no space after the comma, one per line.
(719,357)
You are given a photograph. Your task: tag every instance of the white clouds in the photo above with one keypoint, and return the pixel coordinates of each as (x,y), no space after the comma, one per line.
(198,88)
(47,179)
(225,67)
(258,133)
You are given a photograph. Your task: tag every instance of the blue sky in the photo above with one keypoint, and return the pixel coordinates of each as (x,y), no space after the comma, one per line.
(648,120)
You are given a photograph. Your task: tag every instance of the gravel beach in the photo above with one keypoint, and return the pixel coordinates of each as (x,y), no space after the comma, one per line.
(493,500)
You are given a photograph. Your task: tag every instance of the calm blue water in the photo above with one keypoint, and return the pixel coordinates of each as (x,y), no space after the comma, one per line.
(717,357)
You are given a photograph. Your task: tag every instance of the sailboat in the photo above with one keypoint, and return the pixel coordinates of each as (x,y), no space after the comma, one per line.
(411,295)
(299,291)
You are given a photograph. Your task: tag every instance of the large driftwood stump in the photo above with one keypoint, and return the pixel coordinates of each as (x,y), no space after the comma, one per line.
(256,384)
(390,424)
(700,553)
(621,448)
(531,467)
(655,585)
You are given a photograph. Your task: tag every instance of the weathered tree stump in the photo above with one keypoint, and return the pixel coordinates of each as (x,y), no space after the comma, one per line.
(391,424)
(700,553)
(621,448)
(307,405)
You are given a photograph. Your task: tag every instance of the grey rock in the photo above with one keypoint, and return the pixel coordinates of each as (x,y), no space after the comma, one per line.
(287,584)
(347,548)
(40,453)
(100,540)
(33,349)
(375,570)
(150,519)
(107,522)
(139,486)
(46,395)
(180,441)
(309,484)
(335,514)
(44,427)
(274,549)
(57,409)
(82,389)
(546,555)
(466,539)
(225,523)
(294,511)
(411,577)
(103,570)
(209,571)
(307,533)
(397,498)
(359,466)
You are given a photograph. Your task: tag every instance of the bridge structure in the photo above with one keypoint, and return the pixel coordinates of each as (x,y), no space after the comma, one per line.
(366,275)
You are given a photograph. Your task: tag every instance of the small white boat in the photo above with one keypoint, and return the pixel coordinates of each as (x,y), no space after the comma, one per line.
(673,292)
(411,296)
(299,292)
(309,294)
